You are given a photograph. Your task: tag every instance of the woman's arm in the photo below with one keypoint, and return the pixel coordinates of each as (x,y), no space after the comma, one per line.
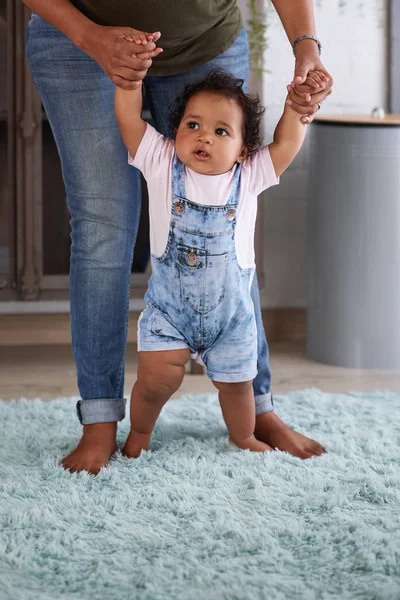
(128,110)
(297,17)
(125,62)
(66,18)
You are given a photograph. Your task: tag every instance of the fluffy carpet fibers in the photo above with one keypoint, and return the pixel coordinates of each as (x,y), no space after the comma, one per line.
(196,519)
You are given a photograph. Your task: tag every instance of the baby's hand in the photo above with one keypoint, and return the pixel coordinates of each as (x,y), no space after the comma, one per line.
(143,37)
(314,83)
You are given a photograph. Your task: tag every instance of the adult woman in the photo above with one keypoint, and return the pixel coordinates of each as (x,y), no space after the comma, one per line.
(77,52)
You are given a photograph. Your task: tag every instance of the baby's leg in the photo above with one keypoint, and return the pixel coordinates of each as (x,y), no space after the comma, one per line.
(159,376)
(238,409)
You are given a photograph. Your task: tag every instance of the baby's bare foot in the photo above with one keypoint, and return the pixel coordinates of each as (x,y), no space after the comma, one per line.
(135,443)
(252,444)
(97,445)
(272,430)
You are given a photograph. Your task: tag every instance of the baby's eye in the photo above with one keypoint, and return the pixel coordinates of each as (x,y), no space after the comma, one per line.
(221,131)
(193,125)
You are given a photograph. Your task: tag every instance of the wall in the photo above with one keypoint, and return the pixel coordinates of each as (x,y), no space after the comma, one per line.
(354,52)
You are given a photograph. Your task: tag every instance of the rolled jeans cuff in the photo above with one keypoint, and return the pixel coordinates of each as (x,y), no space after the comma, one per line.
(101,410)
(264,404)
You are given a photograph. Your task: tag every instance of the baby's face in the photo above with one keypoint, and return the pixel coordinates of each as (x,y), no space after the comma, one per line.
(209,137)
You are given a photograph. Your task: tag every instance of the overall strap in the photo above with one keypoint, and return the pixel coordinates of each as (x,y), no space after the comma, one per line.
(178,178)
(235,189)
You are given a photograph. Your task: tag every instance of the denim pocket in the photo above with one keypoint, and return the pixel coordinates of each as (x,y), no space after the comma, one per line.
(191,259)
(202,278)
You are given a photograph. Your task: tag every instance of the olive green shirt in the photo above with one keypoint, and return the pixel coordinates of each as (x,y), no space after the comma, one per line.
(193,31)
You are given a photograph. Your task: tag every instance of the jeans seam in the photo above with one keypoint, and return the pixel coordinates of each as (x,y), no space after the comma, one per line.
(121,366)
(157,111)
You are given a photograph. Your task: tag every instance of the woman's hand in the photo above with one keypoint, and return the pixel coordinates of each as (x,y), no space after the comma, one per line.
(311,84)
(123,53)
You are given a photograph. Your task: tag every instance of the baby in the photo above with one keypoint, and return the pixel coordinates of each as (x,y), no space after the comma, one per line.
(203,187)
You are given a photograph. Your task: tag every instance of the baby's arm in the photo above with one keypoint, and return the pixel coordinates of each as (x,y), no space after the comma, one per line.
(128,108)
(288,139)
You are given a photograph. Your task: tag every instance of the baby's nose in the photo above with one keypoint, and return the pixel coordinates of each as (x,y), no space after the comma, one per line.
(206,138)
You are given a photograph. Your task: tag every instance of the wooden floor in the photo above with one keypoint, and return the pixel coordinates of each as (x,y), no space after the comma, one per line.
(48,372)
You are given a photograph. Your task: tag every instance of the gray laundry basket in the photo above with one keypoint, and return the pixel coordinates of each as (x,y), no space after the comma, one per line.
(354,242)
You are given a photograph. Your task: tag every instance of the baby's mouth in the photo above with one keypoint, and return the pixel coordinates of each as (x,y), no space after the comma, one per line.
(202,154)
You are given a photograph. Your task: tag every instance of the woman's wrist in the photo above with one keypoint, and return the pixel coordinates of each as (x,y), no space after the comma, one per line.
(306,46)
(85,35)
(65,17)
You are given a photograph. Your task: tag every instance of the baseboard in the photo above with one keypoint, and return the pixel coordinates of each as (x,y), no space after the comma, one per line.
(281,324)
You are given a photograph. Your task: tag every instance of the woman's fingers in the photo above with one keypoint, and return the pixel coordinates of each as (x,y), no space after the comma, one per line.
(313,78)
(146,55)
(308,108)
(133,67)
(302,98)
(131,47)
(313,83)
(310,97)
(138,62)
(324,75)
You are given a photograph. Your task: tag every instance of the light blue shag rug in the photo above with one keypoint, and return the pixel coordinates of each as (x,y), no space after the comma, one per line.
(195,519)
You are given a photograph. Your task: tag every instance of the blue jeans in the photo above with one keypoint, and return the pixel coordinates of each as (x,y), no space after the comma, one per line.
(103,197)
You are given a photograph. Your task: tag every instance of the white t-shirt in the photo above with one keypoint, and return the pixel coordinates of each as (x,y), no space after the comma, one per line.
(154,159)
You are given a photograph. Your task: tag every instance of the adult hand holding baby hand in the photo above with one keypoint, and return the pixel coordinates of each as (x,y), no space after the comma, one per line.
(124,54)
(311,84)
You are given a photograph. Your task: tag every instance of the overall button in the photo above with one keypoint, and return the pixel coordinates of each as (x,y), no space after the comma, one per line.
(231,214)
(191,258)
(179,208)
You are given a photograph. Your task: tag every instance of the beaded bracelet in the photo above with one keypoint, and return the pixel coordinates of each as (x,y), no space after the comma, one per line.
(307,36)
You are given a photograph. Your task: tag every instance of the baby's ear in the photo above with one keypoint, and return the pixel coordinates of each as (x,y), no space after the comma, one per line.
(243,155)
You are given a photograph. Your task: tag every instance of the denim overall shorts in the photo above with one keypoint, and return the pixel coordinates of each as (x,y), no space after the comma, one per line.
(198,295)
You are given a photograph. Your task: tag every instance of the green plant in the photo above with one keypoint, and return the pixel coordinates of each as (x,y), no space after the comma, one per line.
(257,35)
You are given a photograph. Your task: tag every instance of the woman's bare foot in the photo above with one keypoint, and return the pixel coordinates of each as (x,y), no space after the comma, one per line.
(273,431)
(251,444)
(97,445)
(135,443)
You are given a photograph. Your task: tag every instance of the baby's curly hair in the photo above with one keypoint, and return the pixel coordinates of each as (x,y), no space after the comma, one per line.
(225,84)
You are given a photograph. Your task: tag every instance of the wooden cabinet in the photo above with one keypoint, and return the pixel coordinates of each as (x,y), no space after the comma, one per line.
(7,234)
